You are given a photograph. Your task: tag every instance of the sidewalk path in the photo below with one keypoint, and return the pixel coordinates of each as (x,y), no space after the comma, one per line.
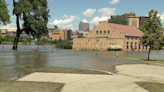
(124,81)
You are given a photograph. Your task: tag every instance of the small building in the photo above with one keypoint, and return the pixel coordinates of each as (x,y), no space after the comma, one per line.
(110,34)
(60,34)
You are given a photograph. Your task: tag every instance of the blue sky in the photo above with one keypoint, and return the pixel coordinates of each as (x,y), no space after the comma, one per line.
(67,14)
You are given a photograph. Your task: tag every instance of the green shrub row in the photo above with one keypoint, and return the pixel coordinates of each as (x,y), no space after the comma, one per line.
(64,46)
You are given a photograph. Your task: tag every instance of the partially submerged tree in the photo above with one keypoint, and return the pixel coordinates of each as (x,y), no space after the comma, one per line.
(4,13)
(35,14)
(118,20)
(153,37)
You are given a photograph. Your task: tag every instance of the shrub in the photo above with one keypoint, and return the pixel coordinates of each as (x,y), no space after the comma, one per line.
(114,48)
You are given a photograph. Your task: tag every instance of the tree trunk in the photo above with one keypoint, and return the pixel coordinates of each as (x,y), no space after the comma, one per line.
(15,44)
(149,53)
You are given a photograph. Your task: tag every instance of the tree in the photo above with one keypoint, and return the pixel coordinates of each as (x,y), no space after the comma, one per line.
(141,28)
(1,39)
(118,20)
(153,37)
(35,14)
(4,13)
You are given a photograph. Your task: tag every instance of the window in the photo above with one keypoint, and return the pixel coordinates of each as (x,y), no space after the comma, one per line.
(100,32)
(97,32)
(110,43)
(108,31)
(115,43)
(104,32)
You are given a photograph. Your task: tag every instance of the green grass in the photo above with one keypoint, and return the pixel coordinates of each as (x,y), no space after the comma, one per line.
(28,70)
(16,86)
(152,87)
(144,59)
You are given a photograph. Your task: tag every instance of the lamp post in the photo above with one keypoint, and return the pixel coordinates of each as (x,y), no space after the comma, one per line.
(24,42)
(96,45)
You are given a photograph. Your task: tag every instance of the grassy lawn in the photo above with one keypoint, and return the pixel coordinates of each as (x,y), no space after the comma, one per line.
(27,70)
(152,87)
(144,59)
(16,86)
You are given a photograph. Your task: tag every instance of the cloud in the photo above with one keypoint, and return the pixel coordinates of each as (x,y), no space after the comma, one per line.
(89,12)
(66,23)
(114,1)
(12,16)
(65,16)
(161,16)
(84,21)
(12,25)
(105,15)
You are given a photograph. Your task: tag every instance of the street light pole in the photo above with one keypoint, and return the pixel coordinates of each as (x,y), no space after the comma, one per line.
(96,46)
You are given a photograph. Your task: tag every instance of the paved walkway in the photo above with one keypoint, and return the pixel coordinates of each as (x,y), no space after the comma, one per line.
(124,81)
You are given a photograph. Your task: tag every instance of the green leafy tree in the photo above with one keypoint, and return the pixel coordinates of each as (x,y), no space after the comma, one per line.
(35,14)
(118,20)
(153,37)
(141,28)
(1,39)
(4,13)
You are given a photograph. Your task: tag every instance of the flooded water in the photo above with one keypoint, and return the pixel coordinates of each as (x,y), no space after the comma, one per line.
(46,56)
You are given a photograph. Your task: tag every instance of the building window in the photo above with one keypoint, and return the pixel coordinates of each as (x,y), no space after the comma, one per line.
(115,43)
(104,32)
(100,32)
(97,32)
(135,44)
(110,43)
(108,31)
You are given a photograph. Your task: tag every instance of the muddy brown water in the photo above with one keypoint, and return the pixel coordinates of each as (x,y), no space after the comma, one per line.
(46,56)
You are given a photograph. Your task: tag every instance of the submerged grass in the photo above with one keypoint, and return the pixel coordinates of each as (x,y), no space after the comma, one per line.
(152,87)
(28,69)
(144,59)
(16,86)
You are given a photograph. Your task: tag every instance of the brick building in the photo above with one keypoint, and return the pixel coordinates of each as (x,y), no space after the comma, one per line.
(110,34)
(60,34)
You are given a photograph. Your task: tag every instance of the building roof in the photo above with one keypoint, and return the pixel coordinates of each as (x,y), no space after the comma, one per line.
(128,30)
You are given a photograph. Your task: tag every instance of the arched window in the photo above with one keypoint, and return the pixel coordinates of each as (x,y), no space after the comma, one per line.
(100,32)
(108,31)
(97,32)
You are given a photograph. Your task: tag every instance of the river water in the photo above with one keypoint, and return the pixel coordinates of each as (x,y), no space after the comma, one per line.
(46,56)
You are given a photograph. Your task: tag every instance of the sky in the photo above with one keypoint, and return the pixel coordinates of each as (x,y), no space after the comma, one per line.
(67,14)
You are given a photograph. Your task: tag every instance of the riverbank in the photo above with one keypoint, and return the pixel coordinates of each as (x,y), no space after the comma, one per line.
(156,61)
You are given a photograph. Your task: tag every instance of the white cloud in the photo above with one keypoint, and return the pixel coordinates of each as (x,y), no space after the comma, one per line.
(89,12)
(161,16)
(66,23)
(84,21)
(107,11)
(12,16)
(12,25)
(65,16)
(105,15)
(114,1)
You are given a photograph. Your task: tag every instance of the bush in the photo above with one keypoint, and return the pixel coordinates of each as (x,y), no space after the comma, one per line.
(115,48)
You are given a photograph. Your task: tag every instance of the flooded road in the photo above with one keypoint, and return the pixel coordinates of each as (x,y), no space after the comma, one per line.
(49,57)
